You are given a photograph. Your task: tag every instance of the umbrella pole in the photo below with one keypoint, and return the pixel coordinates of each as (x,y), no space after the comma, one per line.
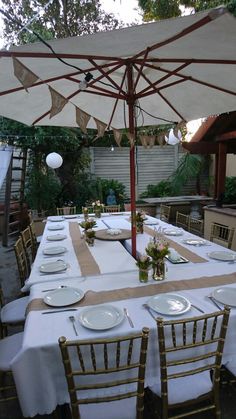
(131,102)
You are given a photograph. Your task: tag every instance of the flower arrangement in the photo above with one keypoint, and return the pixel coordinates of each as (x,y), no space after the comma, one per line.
(97,208)
(89,236)
(88,224)
(85,212)
(157,250)
(143,262)
(140,217)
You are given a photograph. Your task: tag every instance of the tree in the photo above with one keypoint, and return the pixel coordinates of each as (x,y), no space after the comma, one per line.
(59,19)
(164,9)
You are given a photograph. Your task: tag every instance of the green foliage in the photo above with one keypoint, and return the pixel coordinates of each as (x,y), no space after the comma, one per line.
(230,190)
(163,188)
(42,189)
(164,9)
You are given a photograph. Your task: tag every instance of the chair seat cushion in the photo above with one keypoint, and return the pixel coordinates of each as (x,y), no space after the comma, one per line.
(14,311)
(9,347)
(186,388)
(118,409)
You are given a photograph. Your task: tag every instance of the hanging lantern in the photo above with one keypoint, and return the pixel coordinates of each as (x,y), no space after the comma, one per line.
(54,160)
(172,140)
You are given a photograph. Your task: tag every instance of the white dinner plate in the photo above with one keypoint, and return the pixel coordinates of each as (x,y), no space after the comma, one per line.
(56,237)
(101,317)
(71,216)
(169,232)
(55,227)
(56,218)
(226,295)
(169,304)
(63,296)
(151,222)
(52,267)
(222,255)
(56,250)
(195,242)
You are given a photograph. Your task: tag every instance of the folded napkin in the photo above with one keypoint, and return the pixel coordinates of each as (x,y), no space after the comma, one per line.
(174,255)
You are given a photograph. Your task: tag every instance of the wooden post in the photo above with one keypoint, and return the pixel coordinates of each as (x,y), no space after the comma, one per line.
(222,155)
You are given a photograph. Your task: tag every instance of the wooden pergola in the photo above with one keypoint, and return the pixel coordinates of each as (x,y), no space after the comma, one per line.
(217,135)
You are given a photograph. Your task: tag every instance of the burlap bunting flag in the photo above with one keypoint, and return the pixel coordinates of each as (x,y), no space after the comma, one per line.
(58,102)
(130,138)
(82,119)
(118,136)
(101,127)
(26,77)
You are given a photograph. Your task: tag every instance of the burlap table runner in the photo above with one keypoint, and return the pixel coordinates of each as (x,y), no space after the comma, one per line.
(180,249)
(100,297)
(87,263)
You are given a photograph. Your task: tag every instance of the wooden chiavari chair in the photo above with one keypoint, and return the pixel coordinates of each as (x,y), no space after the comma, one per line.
(112,208)
(121,360)
(66,211)
(165,213)
(196,226)
(222,235)
(21,259)
(190,352)
(9,347)
(26,236)
(182,220)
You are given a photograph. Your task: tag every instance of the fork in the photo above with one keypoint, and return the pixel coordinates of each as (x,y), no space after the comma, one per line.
(72,319)
(214,302)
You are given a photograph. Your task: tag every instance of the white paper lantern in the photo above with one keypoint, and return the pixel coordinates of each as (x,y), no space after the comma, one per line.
(172,140)
(54,160)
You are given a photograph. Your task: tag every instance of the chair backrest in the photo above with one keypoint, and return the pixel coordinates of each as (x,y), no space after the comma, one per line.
(28,245)
(189,347)
(112,208)
(34,238)
(222,235)
(21,259)
(165,212)
(111,357)
(196,226)
(66,211)
(182,220)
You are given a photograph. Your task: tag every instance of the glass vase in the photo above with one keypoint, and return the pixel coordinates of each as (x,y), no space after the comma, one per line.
(143,275)
(139,228)
(158,270)
(97,213)
(89,240)
(86,216)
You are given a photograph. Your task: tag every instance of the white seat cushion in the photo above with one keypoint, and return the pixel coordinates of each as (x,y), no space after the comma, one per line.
(9,347)
(186,388)
(14,311)
(119,409)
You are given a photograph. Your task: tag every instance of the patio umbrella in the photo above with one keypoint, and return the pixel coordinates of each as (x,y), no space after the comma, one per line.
(171,70)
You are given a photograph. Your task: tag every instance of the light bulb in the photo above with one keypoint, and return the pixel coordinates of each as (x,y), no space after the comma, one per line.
(112,148)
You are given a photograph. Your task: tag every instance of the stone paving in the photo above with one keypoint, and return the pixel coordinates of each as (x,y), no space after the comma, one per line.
(11,287)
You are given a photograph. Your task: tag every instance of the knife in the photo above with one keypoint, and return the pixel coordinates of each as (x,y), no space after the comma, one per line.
(128,317)
(58,311)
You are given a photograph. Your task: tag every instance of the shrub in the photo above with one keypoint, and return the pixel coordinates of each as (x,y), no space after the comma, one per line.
(163,188)
(230,190)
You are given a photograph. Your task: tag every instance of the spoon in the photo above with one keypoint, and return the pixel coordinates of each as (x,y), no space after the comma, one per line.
(72,319)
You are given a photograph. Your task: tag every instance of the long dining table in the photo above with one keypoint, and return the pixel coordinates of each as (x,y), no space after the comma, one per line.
(38,369)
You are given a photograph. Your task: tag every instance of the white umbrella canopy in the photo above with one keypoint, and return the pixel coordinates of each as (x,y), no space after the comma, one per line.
(171,70)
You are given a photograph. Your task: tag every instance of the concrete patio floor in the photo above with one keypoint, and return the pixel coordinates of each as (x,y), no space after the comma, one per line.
(11,287)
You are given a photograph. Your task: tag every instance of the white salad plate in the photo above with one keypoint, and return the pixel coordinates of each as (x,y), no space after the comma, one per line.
(56,250)
(226,295)
(63,296)
(56,218)
(222,255)
(56,237)
(151,222)
(55,227)
(169,304)
(70,216)
(101,317)
(52,267)
(195,242)
(169,232)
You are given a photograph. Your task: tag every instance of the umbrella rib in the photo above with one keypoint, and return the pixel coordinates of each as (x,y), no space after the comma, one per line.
(157,91)
(116,102)
(106,75)
(202,22)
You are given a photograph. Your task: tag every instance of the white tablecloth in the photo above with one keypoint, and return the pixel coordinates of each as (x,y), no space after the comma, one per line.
(38,370)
